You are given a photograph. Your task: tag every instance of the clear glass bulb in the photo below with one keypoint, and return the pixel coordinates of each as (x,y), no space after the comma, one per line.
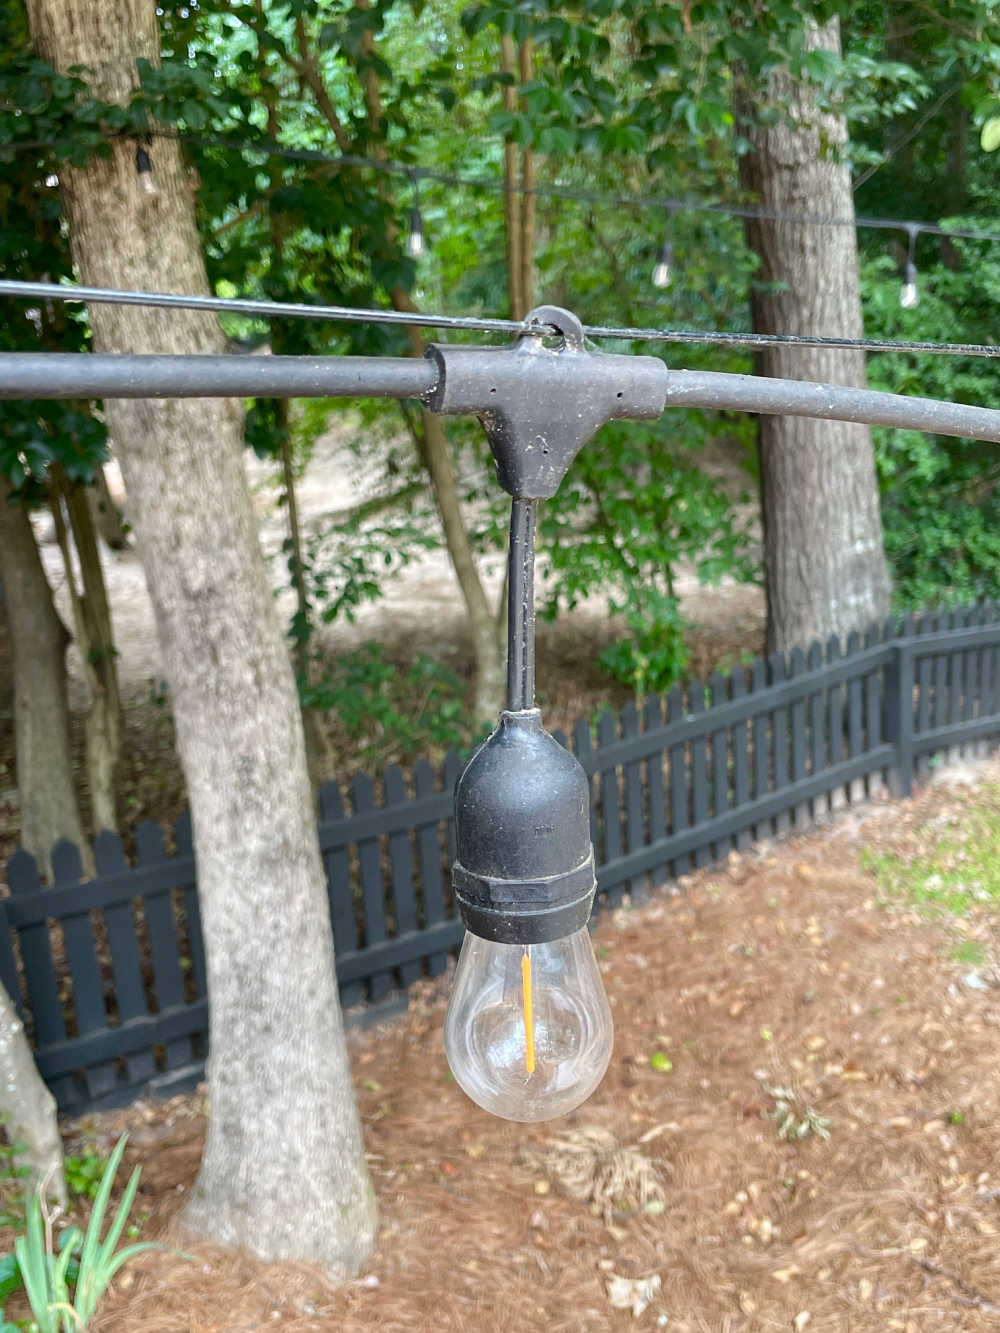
(661,274)
(908,296)
(528,1033)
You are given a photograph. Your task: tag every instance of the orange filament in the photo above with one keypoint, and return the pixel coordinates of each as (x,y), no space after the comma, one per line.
(529,1024)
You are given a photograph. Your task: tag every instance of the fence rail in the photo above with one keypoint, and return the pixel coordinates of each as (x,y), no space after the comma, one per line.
(109,973)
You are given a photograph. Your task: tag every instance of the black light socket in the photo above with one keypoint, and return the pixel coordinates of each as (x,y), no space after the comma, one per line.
(524,873)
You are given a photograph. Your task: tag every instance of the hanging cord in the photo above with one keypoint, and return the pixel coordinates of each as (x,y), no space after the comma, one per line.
(521,606)
(350,315)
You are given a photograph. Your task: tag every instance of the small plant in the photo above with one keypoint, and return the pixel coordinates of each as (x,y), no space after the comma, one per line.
(84,1173)
(795,1119)
(80,1259)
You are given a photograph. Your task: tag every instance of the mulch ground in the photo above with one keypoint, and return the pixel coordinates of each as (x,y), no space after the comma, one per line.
(784,969)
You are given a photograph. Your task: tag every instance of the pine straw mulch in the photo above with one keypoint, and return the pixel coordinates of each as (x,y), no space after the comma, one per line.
(785,970)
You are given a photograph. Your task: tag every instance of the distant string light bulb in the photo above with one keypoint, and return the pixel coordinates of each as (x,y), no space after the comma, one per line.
(144,170)
(416,244)
(909,296)
(663,270)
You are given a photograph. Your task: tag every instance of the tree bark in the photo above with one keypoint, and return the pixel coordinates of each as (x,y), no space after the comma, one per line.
(95,642)
(27,1107)
(106,515)
(41,713)
(283,1171)
(825,565)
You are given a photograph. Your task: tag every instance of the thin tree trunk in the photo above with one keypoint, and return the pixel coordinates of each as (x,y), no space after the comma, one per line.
(27,1107)
(106,515)
(283,1171)
(826,571)
(529,199)
(512,196)
(95,643)
(436,457)
(41,713)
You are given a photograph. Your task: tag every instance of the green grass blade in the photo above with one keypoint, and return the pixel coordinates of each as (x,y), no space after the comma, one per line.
(121,1217)
(91,1241)
(36,1286)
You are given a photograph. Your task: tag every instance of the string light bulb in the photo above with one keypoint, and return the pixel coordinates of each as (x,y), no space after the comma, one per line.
(909,296)
(144,170)
(663,269)
(416,244)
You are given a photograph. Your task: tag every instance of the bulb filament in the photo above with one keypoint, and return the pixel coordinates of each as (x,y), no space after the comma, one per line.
(529,1022)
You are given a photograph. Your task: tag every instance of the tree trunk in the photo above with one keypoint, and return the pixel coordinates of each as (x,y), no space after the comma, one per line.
(825,565)
(491,675)
(95,642)
(27,1107)
(107,517)
(283,1172)
(41,713)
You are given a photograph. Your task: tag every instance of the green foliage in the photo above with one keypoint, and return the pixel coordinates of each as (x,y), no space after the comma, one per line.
(388,711)
(633,506)
(940,497)
(84,1173)
(80,1260)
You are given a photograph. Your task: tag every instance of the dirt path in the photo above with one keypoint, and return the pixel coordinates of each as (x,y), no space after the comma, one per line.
(787,968)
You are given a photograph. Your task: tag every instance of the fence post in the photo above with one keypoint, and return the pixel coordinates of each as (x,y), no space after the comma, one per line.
(899,715)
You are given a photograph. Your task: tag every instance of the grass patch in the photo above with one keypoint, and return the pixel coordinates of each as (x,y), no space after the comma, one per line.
(956,869)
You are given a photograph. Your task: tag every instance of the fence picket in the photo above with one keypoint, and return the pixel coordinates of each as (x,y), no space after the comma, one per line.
(779,739)
(161,925)
(761,747)
(873,710)
(340,891)
(607,734)
(192,911)
(835,720)
(401,870)
(699,769)
(741,759)
(40,974)
(429,860)
(652,719)
(635,823)
(796,668)
(678,780)
(925,679)
(84,969)
(372,884)
(817,730)
(719,745)
(123,945)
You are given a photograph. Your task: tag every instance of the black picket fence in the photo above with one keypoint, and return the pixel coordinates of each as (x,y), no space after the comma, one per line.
(109,972)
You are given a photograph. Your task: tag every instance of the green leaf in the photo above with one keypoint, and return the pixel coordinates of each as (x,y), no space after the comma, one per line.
(661,1062)
(989,137)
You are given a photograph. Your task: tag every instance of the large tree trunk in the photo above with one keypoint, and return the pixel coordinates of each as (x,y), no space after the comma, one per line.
(27,1107)
(826,571)
(41,714)
(283,1172)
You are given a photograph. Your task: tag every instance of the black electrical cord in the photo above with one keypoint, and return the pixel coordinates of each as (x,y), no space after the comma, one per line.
(270,148)
(349,314)
(521,606)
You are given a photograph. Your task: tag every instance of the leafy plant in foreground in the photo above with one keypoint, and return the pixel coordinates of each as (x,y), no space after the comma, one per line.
(80,1259)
